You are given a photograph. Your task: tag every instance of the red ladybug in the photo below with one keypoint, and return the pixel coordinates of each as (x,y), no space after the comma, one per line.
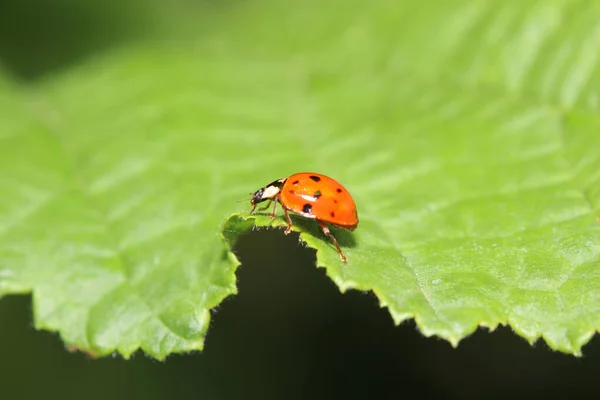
(313,196)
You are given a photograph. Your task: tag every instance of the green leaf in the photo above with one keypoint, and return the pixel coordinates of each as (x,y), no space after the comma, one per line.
(466,132)
(110,244)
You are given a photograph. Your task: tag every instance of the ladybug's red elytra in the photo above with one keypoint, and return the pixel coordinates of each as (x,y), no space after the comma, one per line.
(313,196)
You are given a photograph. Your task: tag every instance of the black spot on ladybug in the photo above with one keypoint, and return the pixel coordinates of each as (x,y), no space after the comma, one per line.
(335,201)
(338,190)
(307,208)
(295,182)
(317,194)
(292,192)
(332,214)
(315,178)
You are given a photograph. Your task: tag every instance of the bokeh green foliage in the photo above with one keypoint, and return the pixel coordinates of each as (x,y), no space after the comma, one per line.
(467,133)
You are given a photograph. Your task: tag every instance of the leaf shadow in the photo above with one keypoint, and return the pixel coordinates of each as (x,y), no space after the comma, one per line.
(344,237)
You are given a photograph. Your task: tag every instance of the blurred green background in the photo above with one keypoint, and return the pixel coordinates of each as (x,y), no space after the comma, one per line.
(289,334)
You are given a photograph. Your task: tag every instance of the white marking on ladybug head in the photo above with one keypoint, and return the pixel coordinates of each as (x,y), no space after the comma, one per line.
(270,192)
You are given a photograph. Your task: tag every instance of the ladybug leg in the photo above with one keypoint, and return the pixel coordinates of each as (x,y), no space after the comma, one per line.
(327,232)
(266,206)
(274,208)
(289,221)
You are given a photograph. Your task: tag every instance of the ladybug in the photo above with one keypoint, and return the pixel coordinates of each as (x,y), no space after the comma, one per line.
(313,196)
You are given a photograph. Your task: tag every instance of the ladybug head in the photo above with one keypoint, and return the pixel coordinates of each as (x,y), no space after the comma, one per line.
(257,197)
(268,192)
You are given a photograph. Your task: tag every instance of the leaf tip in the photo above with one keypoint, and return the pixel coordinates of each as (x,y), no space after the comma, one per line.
(77,349)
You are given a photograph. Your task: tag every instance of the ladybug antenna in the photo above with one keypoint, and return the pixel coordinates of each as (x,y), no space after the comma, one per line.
(248,199)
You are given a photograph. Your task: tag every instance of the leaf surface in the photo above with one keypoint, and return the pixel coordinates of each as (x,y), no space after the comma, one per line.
(467,133)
